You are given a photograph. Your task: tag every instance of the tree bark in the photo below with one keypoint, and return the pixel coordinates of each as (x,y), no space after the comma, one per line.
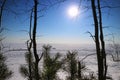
(99,58)
(102,41)
(37,77)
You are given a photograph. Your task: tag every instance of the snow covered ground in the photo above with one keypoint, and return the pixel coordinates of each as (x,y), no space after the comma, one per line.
(16,58)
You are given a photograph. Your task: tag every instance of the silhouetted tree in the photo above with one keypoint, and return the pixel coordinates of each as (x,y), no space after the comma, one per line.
(100,49)
(28,70)
(103,52)
(2,4)
(37,59)
(81,67)
(5,73)
(29,46)
(36,56)
(71,65)
(75,68)
(51,65)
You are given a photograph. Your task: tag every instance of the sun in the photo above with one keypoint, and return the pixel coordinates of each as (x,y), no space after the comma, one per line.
(73,11)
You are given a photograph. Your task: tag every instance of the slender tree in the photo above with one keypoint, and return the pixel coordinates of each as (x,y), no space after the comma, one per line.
(28,69)
(102,41)
(2,5)
(29,46)
(1,11)
(80,68)
(37,75)
(5,73)
(75,68)
(100,49)
(33,38)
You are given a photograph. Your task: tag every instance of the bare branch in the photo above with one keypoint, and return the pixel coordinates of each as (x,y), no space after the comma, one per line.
(91,35)
(110,7)
(115,60)
(87,56)
(41,56)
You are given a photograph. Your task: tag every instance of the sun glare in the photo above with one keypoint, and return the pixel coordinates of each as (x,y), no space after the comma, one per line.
(73,11)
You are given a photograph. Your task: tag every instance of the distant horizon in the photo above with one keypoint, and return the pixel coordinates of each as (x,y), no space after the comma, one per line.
(59,44)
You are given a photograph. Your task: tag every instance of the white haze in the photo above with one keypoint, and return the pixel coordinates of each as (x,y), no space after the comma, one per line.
(16,58)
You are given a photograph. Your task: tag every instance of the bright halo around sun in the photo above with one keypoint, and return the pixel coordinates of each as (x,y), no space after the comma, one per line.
(73,11)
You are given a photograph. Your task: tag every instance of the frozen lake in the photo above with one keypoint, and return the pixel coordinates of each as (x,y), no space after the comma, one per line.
(16,58)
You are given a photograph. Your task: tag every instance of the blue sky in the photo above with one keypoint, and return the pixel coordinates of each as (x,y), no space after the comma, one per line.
(56,26)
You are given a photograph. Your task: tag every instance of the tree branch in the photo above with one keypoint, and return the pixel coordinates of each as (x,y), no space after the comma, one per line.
(87,56)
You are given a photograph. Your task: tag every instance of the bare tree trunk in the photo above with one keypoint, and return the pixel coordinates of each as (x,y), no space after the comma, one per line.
(102,41)
(37,77)
(79,71)
(29,46)
(99,58)
(1,12)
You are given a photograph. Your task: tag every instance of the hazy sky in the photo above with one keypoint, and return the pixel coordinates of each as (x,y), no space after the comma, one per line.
(56,26)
